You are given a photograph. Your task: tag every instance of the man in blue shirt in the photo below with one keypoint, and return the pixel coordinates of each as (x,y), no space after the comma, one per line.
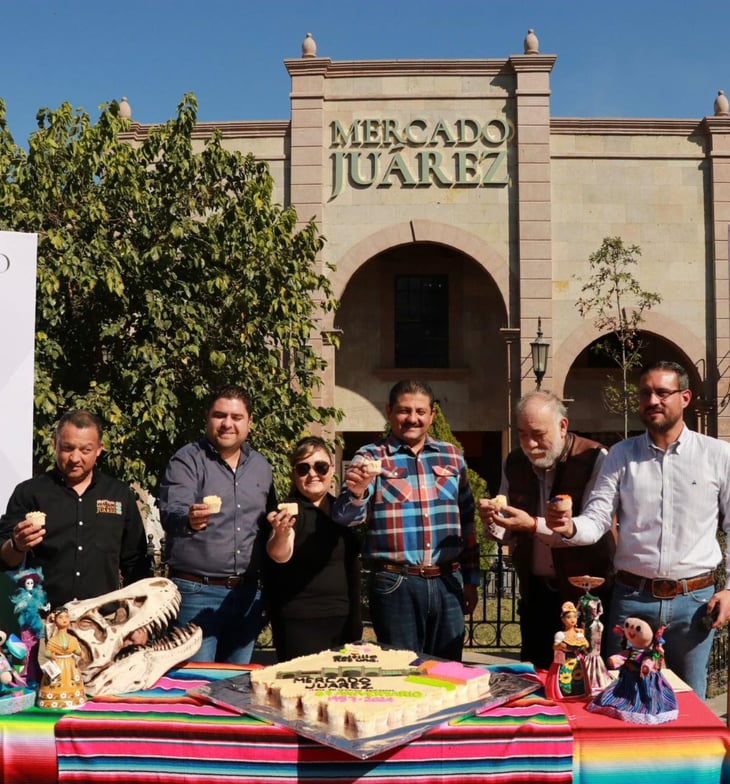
(215,558)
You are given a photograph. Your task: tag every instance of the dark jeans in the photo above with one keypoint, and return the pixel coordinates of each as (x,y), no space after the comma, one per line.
(418,613)
(687,641)
(231,619)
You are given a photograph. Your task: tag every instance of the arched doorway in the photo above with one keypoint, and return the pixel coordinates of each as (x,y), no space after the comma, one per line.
(593,371)
(429,311)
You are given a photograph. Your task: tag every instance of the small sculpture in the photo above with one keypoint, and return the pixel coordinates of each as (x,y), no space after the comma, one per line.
(61,687)
(567,678)
(641,695)
(589,615)
(14,695)
(126,637)
(30,604)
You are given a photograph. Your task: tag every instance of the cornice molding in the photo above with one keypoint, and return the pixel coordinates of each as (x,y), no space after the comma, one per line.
(626,126)
(524,63)
(365,68)
(239,129)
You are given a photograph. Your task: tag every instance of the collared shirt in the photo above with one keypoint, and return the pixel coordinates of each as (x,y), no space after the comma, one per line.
(668,505)
(545,538)
(234,538)
(419,509)
(89,538)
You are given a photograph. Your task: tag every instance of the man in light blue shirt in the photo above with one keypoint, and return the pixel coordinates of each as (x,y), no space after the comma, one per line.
(669,489)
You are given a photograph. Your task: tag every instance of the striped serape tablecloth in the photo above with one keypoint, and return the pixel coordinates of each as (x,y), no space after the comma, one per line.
(163,736)
(28,747)
(694,749)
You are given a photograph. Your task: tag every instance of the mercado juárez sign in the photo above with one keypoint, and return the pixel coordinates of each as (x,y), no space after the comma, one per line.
(381,152)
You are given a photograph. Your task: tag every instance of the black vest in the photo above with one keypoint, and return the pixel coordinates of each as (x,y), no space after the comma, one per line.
(572,473)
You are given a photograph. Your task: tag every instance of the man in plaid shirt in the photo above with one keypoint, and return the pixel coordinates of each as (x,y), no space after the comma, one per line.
(420,543)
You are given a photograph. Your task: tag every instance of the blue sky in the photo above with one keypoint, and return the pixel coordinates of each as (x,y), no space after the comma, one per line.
(615,59)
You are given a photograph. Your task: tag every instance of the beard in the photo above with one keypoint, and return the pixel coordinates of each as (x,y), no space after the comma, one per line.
(545,459)
(662,425)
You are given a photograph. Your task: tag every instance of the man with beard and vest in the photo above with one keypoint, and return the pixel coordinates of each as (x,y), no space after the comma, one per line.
(550,461)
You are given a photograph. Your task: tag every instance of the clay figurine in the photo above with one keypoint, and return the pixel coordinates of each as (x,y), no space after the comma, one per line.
(61,687)
(641,695)
(567,678)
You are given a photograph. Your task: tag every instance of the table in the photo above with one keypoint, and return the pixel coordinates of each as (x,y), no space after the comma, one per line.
(157,739)
(695,748)
(161,736)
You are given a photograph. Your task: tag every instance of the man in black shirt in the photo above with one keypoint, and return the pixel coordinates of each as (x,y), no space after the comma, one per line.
(93,529)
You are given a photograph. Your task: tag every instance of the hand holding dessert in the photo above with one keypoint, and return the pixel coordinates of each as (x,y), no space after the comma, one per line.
(559,515)
(199,516)
(359,476)
(29,533)
(283,519)
(496,513)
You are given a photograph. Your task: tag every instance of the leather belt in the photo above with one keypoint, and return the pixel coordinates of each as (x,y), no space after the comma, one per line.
(434,570)
(232,581)
(664,588)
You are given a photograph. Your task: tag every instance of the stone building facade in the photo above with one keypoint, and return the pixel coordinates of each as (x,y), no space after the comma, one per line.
(458,212)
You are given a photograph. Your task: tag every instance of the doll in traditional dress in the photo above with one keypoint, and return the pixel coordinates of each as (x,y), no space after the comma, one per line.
(567,678)
(641,695)
(598,676)
(30,604)
(61,687)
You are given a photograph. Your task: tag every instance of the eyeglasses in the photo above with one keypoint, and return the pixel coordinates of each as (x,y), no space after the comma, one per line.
(321,467)
(662,394)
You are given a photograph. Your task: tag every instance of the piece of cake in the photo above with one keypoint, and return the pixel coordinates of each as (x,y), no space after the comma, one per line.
(373,466)
(499,502)
(213,502)
(291,507)
(37,518)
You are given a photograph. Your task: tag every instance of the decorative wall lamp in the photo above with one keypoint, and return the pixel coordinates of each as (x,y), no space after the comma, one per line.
(539,347)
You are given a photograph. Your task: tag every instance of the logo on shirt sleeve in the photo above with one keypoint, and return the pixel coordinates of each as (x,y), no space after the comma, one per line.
(108,507)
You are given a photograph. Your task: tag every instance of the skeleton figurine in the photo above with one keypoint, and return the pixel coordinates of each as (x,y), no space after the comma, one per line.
(125,641)
(30,604)
(591,611)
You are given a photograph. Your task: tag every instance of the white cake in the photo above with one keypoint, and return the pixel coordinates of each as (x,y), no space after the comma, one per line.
(363,690)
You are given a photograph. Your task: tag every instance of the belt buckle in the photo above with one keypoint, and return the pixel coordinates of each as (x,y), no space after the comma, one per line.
(232,581)
(664,588)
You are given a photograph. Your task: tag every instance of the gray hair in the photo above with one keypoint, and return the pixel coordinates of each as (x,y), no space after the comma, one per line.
(548,398)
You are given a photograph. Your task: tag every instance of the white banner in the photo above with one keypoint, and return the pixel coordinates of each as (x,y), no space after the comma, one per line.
(18,254)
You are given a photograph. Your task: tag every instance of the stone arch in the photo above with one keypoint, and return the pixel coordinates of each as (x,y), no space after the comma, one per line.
(423,231)
(684,342)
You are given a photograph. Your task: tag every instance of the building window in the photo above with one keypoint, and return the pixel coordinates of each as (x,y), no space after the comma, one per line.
(422,321)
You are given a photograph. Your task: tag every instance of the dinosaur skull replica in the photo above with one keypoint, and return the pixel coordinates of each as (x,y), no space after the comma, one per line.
(124,636)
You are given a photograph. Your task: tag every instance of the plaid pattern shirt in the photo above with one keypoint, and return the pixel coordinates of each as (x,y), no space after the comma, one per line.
(419,509)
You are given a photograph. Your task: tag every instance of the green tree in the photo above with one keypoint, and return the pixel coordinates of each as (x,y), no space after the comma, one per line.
(164,270)
(441,431)
(613,294)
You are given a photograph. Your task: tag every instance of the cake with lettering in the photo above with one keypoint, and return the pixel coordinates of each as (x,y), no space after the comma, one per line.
(363,690)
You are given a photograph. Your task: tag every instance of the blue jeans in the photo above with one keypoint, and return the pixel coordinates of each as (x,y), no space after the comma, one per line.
(418,613)
(687,642)
(231,619)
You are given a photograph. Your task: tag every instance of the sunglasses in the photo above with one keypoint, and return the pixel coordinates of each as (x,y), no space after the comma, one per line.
(321,467)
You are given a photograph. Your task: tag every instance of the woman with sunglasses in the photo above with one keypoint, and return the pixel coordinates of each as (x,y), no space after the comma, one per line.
(313,573)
